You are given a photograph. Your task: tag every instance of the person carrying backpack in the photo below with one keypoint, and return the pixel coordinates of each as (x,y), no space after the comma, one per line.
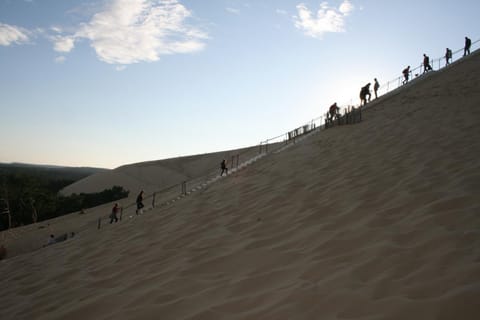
(448,56)
(426,63)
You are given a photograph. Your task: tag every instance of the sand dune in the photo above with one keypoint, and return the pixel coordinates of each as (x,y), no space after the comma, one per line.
(378,220)
(152,176)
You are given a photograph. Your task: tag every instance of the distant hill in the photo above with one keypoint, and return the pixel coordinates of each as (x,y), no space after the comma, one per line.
(49,171)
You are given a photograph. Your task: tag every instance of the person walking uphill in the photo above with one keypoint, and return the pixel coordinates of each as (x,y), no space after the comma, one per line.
(139,203)
(333,112)
(468,44)
(448,56)
(406,73)
(426,63)
(376,86)
(224,168)
(114,214)
(364,92)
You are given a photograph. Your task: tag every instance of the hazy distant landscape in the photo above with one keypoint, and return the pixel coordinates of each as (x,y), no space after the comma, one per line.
(30,193)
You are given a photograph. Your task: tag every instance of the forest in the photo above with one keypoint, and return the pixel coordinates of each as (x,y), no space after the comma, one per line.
(30,193)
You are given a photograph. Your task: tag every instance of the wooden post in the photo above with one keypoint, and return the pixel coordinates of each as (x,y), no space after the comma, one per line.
(153,200)
(231,163)
(99,223)
(238,159)
(184,187)
(121,213)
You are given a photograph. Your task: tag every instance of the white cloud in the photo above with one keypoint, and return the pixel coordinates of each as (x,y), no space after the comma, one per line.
(63,44)
(346,7)
(327,19)
(132,31)
(12,35)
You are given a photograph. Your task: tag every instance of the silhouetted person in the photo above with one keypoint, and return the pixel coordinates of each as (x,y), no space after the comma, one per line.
(332,111)
(406,74)
(224,168)
(448,56)
(468,44)
(114,214)
(139,202)
(426,63)
(376,86)
(364,92)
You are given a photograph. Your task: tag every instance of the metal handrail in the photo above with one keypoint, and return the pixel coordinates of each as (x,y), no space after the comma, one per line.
(388,86)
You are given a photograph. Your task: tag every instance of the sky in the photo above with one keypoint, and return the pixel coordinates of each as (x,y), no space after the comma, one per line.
(104,83)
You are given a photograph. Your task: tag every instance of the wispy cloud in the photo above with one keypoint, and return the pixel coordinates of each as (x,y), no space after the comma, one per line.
(327,19)
(60,59)
(132,31)
(281,12)
(233,10)
(10,34)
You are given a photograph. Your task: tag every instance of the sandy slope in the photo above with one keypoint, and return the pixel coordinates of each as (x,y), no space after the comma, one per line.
(378,220)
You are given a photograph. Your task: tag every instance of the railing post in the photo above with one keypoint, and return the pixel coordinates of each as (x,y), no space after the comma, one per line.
(99,223)
(231,163)
(184,188)
(238,159)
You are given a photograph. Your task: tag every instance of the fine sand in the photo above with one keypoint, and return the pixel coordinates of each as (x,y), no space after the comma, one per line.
(378,220)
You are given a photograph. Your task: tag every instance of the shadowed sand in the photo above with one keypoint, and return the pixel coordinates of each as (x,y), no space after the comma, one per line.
(379,220)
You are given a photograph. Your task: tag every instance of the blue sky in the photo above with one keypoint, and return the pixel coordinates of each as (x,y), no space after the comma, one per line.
(108,82)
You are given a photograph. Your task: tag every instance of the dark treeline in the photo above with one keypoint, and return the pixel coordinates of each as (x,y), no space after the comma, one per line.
(32,193)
